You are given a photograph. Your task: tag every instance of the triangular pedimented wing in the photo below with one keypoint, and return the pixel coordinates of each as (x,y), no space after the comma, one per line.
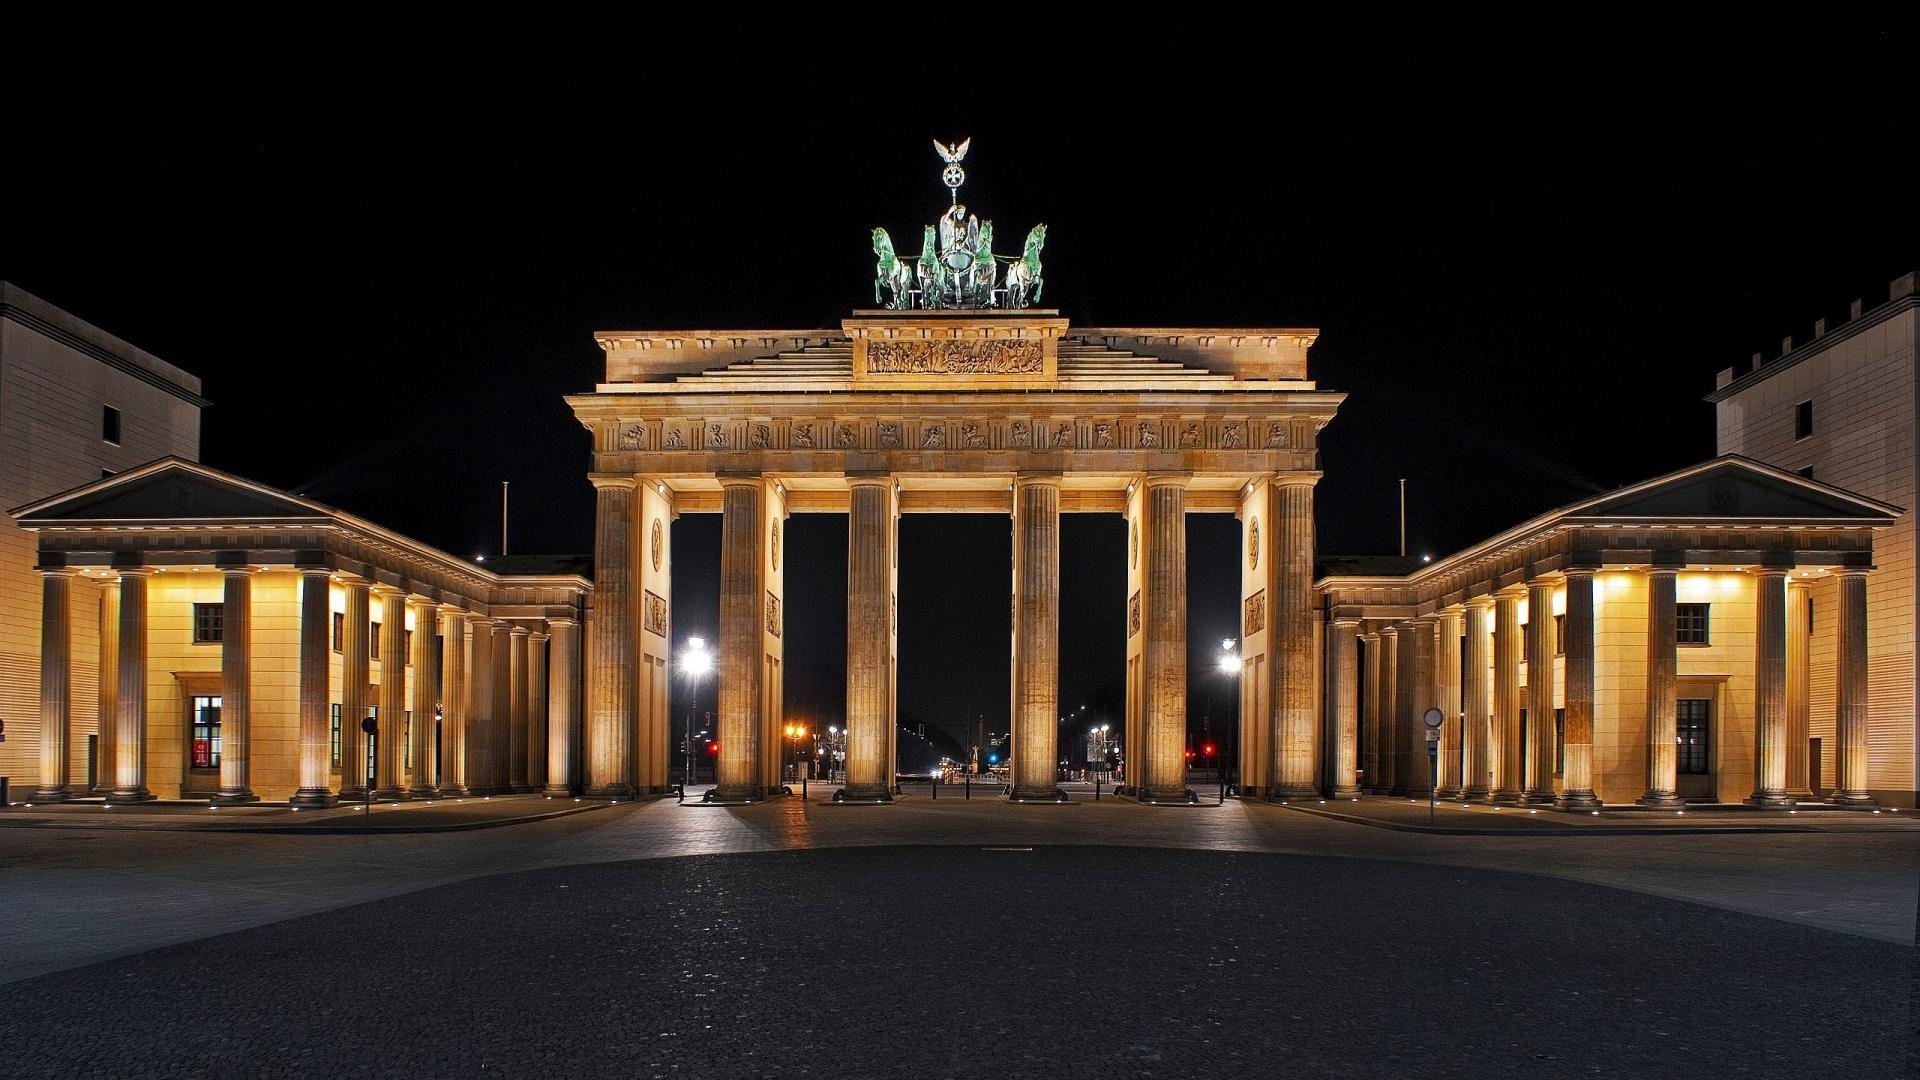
(169,490)
(1728,489)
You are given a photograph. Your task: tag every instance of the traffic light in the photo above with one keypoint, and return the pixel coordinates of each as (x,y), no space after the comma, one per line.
(713,749)
(1207,749)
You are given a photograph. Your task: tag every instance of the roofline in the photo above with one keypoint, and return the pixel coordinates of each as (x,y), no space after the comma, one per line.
(76,333)
(1838,334)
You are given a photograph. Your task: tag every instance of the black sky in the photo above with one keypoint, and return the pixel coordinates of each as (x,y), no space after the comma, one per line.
(1525,274)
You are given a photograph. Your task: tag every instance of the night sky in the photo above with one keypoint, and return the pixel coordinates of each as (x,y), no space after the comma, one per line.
(1524,276)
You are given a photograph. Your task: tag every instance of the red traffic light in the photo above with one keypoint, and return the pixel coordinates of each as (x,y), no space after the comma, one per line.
(1207,749)
(713,749)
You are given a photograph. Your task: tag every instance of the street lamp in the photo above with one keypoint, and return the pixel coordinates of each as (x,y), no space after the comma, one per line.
(696,663)
(1229,664)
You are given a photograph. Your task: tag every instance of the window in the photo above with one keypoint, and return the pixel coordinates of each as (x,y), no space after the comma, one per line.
(1559,635)
(1691,735)
(1559,742)
(1806,472)
(1809,615)
(1690,624)
(333,734)
(1803,420)
(206,732)
(206,623)
(110,424)
(339,629)
(406,646)
(373,641)
(406,740)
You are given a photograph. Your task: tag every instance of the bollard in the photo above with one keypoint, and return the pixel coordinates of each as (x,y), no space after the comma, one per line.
(934,783)
(1096,789)
(969,791)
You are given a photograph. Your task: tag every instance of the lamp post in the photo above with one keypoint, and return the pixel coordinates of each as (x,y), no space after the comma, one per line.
(1228,664)
(696,663)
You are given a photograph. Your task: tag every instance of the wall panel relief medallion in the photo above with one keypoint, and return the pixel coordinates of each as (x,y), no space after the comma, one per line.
(1103,436)
(760,437)
(633,437)
(1276,435)
(1149,436)
(1020,433)
(1063,436)
(717,437)
(1256,613)
(1233,436)
(657,543)
(933,438)
(974,435)
(676,438)
(964,356)
(889,436)
(776,543)
(803,435)
(655,613)
(773,615)
(1133,614)
(846,437)
(1253,543)
(1191,436)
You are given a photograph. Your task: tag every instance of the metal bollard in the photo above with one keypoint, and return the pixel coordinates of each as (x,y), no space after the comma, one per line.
(934,783)
(969,792)
(1096,789)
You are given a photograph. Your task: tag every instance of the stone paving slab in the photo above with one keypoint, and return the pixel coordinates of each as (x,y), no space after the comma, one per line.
(434,815)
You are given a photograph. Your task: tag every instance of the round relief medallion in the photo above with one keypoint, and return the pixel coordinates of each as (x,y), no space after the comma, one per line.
(656,543)
(1133,544)
(776,544)
(1253,544)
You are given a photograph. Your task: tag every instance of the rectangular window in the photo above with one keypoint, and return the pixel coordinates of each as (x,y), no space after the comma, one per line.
(373,641)
(1809,615)
(1803,420)
(406,740)
(339,629)
(333,734)
(1691,735)
(110,424)
(1690,624)
(206,732)
(1559,635)
(406,646)
(1559,742)
(1523,736)
(206,623)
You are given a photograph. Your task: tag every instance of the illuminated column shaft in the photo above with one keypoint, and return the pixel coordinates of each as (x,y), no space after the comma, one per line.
(1343,662)
(1164,558)
(479,688)
(1540,748)
(1799,595)
(1850,778)
(1297,731)
(1409,745)
(743,562)
(355,681)
(871,536)
(130,756)
(104,770)
(1505,738)
(563,720)
(1387,747)
(1447,683)
(1663,708)
(499,722)
(1770,689)
(56,683)
(426,693)
(392,751)
(1577,782)
(1036,636)
(1370,708)
(453,682)
(517,701)
(236,688)
(316,745)
(536,740)
(611,714)
(1476,718)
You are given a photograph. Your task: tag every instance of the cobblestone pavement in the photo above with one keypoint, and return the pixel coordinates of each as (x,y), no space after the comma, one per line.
(1004,959)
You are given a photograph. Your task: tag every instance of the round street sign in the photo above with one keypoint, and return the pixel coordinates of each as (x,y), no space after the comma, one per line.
(1433,718)
(370,725)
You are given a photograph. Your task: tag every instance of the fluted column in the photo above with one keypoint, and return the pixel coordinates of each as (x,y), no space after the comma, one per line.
(316,749)
(104,769)
(499,724)
(1799,670)
(1343,663)
(426,695)
(1296,737)
(1538,786)
(1850,721)
(1476,718)
(1576,782)
(1409,745)
(1505,739)
(236,688)
(355,684)
(56,683)
(743,558)
(611,715)
(1663,707)
(562,704)
(1165,556)
(517,702)
(1447,683)
(1036,636)
(1387,748)
(392,751)
(871,536)
(536,740)
(1770,689)
(130,756)
(1370,707)
(453,699)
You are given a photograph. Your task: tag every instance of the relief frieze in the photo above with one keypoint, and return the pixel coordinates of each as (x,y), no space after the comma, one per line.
(966,356)
(633,437)
(889,436)
(1256,613)
(933,438)
(655,610)
(803,435)
(1020,433)
(846,436)
(773,615)
(1133,614)
(759,437)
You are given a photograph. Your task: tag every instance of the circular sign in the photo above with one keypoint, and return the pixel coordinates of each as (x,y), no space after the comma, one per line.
(369,725)
(1433,718)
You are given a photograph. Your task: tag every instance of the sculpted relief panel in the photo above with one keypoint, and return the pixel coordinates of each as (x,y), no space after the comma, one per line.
(965,356)
(655,613)
(1117,432)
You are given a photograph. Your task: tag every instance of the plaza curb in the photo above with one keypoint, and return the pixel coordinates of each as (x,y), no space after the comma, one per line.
(1555,830)
(325,828)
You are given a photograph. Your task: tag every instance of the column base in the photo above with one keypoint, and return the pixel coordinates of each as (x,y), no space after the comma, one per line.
(422,793)
(1506,798)
(62,795)
(311,798)
(1037,795)
(1852,801)
(1664,800)
(1577,800)
(558,792)
(453,791)
(735,796)
(1471,794)
(1293,793)
(139,795)
(1538,798)
(611,791)
(1352,792)
(351,794)
(1768,800)
(234,798)
(1169,797)
(389,794)
(876,795)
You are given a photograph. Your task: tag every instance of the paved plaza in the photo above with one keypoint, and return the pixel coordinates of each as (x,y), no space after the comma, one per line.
(956,937)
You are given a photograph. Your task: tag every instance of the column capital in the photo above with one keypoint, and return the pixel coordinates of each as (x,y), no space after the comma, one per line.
(1297,479)
(1510,592)
(870,479)
(1853,571)
(517,630)
(55,571)
(740,479)
(554,622)
(1167,479)
(607,480)
(1390,630)
(1344,621)
(537,637)
(1770,571)
(1547,579)
(134,571)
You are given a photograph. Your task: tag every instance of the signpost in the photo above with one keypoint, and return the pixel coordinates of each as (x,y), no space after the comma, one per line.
(1433,718)
(372,727)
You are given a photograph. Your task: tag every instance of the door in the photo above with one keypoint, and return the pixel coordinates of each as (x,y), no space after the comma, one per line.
(1693,750)
(203,746)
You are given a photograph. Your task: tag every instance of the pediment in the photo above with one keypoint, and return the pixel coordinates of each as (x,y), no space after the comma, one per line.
(168,491)
(1734,489)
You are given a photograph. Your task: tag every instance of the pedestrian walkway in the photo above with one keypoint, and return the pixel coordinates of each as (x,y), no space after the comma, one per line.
(424,815)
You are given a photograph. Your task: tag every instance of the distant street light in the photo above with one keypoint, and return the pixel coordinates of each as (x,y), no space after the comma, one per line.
(696,663)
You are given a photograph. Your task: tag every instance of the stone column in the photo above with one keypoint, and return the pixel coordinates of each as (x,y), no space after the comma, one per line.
(104,769)
(743,531)
(425,696)
(1770,689)
(453,698)
(1663,708)
(1447,694)
(1410,747)
(562,704)
(56,683)
(1538,785)
(1343,663)
(871,537)
(355,683)
(611,716)
(1387,748)
(1036,632)
(236,688)
(499,724)
(392,751)
(1799,640)
(480,779)
(517,702)
(1370,707)
(316,693)
(1850,721)
(536,741)
(1576,783)
(1164,558)
(130,756)
(1291,637)
(1505,737)
(1476,718)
